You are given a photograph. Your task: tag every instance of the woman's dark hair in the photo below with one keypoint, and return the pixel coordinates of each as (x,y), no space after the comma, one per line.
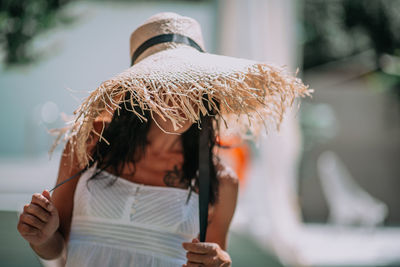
(127,135)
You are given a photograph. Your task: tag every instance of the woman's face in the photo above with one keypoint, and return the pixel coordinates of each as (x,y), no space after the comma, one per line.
(168,126)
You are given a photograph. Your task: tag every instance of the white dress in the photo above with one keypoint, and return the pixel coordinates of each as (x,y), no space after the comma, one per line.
(129,224)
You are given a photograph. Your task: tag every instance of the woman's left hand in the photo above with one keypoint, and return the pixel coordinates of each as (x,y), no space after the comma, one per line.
(205,254)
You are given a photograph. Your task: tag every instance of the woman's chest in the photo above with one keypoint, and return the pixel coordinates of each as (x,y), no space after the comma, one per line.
(157,171)
(108,198)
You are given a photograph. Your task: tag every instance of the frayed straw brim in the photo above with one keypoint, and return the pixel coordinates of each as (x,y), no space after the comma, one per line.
(174,81)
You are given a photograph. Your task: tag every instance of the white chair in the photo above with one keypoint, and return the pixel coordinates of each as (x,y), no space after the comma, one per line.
(348,202)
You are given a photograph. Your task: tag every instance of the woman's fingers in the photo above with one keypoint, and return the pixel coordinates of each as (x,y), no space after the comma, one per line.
(200,248)
(52,208)
(26,229)
(39,219)
(46,194)
(200,254)
(205,254)
(40,200)
(31,220)
(197,258)
(37,211)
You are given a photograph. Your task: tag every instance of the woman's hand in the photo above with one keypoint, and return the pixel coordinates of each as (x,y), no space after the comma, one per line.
(205,254)
(39,220)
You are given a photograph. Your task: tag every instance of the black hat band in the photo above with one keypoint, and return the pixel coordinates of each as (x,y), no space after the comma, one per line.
(164,38)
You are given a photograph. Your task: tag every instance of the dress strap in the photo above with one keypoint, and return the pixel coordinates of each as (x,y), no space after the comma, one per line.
(191,186)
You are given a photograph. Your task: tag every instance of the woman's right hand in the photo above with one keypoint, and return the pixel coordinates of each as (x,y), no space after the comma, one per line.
(39,220)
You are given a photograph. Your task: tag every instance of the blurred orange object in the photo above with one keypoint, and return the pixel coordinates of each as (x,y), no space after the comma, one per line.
(236,154)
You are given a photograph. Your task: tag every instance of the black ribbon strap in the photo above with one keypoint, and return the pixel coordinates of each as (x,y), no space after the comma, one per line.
(204,177)
(73,176)
(164,38)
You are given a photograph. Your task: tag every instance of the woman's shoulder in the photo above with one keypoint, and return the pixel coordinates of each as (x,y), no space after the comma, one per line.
(226,176)
(222,211)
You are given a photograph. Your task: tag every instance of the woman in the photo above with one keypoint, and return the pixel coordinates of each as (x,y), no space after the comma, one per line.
(136,202)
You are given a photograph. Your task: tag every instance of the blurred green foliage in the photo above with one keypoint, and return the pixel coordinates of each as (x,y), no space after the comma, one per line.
(22,20)
(338,29)
(341,28)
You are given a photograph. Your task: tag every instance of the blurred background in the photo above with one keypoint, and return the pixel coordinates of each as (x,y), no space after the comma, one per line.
(321,192)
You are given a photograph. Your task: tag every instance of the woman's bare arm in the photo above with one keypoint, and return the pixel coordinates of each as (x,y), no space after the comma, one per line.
(46,221)
(224,209)
(62,201)
(45,218)
(63,196)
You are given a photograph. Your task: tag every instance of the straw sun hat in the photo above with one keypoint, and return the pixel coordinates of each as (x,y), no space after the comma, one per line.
(174,77)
